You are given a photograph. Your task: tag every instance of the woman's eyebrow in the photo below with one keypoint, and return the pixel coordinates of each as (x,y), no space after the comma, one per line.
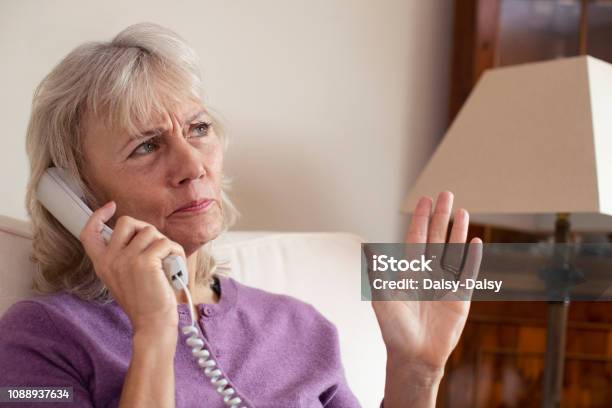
(149,133)
(195,115)
(160,130)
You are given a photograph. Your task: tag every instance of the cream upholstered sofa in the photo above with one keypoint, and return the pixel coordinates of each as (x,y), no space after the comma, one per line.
(322,269)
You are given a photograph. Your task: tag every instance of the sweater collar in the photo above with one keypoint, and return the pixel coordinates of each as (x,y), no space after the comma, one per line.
(227,300)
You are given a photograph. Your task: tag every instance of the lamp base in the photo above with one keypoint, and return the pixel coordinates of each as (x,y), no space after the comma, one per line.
(555,354)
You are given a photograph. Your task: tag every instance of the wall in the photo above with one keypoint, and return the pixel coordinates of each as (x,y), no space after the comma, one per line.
(332,106)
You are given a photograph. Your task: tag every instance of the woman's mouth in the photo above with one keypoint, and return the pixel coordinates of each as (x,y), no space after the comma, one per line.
(195,206)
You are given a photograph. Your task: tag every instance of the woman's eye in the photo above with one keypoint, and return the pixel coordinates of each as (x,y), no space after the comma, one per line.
(145,148)
(201,129)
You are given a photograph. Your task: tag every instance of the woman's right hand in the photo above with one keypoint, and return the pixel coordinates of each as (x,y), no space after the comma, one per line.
(130,265)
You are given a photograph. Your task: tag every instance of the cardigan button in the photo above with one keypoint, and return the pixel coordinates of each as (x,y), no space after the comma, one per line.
(208,311)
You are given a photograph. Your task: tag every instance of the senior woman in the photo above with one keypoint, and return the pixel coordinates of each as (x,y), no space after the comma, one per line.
(125,118)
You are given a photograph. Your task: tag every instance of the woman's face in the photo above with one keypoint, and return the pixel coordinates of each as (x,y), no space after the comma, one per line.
(176,162)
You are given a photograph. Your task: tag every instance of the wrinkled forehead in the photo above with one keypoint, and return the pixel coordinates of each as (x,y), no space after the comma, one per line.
(183,112)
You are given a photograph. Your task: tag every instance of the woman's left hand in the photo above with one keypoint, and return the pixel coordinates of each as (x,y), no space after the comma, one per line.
(420,335)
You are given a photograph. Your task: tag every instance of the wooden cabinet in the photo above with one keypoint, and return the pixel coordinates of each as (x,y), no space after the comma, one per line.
(500,357)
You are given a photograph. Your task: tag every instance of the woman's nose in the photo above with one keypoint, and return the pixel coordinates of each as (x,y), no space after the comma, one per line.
(186,163)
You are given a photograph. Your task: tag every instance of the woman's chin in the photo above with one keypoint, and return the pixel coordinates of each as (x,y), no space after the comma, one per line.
(191,239)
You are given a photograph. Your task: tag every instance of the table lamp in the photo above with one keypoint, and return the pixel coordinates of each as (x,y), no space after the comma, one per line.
(532,143)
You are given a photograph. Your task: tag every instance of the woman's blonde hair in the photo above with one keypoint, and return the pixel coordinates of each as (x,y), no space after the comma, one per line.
(144,70)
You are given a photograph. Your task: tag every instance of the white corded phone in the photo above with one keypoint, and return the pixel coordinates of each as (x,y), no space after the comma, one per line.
(63,198)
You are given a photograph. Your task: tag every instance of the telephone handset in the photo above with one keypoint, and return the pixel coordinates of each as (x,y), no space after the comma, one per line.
(61,195)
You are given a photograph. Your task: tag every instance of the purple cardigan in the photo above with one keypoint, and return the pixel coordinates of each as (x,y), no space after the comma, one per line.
(275,350)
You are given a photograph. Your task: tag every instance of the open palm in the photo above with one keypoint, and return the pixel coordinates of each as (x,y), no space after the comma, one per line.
(426,332)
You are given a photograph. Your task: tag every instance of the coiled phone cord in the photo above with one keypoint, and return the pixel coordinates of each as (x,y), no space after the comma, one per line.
(200,353)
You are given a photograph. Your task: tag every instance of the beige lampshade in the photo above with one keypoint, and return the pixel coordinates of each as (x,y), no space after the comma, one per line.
(531,139)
